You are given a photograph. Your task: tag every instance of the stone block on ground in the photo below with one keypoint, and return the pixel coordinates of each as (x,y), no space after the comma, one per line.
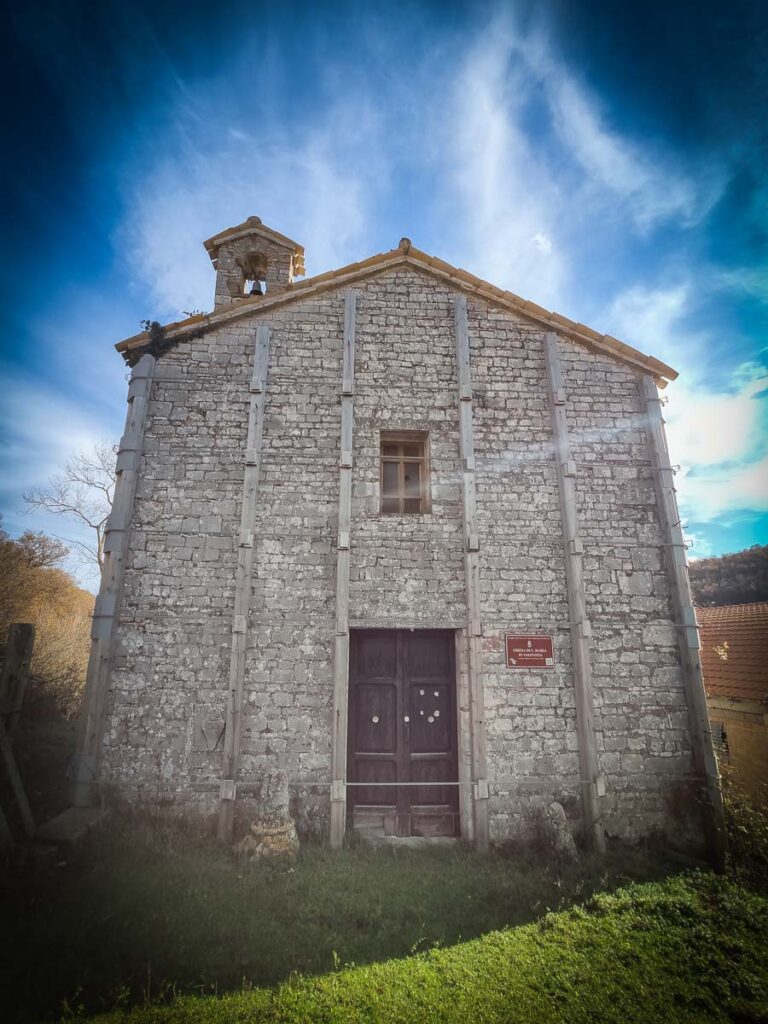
(70,827)
(269,839)
(556,833)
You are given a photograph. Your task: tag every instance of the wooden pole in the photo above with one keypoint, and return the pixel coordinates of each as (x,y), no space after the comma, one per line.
(236,684)
(107,609)
(17,787)
(472,577)
(704,760)
(341,646)
(591,782)
(13,681)
(6,837)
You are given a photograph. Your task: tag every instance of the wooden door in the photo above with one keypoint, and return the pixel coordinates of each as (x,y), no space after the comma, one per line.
(402,729)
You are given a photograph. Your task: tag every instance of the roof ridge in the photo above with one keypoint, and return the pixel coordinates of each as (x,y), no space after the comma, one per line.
(411,256)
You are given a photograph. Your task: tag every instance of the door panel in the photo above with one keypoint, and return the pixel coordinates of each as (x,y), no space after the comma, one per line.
(376,654)
(431,719)
(402,728)
(375,719)
(376,771)
(429,656)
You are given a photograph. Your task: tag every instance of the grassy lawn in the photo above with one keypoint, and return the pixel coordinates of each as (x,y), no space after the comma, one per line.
(691,950)
(143,916)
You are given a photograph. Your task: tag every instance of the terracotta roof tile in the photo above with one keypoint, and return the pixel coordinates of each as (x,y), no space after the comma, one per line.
(420,260)
(734,650)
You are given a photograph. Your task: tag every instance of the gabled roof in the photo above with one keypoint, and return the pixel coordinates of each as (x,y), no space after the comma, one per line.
(407,256)
(734,650)
(253,226)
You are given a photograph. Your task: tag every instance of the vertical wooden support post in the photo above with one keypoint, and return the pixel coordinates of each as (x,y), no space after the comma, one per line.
(107,608)
(704,760)
(472,578)
(17,786)
(13,682)
(591,782)
(242,603)
(341,648)
(6,837)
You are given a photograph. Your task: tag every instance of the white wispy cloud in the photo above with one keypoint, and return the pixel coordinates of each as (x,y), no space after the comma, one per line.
(646,181)
(720,440)
(519,199)
(318,187)
(504,202)
(654,319)
(717,429)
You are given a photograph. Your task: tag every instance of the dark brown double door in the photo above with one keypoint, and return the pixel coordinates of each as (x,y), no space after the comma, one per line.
(402,729)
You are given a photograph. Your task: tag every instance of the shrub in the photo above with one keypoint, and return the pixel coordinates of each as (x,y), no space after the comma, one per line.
(746,823)
(33,589)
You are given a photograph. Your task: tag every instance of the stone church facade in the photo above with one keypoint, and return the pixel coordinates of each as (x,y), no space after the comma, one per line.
(398,551)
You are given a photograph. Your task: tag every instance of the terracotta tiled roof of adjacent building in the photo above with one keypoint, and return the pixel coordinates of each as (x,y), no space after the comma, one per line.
(734,650)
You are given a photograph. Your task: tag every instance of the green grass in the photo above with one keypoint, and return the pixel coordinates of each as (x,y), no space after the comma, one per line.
(146,914)
(689,950)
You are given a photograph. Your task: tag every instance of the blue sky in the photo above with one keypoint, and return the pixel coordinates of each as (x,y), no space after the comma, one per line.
(607,161)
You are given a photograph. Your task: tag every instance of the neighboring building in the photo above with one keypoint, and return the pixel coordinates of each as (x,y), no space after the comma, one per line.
(395,525)
(734,658)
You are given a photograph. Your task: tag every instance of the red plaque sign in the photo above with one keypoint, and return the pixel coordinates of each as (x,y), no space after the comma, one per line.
(529,651)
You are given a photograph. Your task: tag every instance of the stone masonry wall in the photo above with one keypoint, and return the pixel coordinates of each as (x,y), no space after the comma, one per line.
(172,644)
(641,711)
(165,722)
(406,570)
(530,714)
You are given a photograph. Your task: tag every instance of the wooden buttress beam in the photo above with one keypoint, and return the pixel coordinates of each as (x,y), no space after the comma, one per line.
(236,682)
(341,647)
(591,782)
(472,577)
(107,608)
(704,760)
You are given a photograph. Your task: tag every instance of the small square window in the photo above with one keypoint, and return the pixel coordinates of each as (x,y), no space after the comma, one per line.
(404,472)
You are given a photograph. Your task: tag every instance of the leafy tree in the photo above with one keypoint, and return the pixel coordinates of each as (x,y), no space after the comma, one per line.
(738,578)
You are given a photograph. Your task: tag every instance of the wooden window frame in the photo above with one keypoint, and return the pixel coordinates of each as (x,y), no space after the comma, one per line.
(403,437)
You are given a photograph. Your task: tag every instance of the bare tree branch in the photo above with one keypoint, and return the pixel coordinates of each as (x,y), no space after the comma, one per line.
(82,491)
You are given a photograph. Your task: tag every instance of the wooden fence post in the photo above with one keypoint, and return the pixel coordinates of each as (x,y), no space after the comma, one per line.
(13,681)
(17,787)
(13,684)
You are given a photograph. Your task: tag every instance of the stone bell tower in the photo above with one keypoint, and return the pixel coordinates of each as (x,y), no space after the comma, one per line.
(252,260)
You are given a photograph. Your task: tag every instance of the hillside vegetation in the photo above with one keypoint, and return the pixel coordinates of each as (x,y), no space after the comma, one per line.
(33,589)
(739,578)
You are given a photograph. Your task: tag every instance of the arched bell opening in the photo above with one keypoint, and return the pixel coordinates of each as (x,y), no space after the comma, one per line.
(254,267)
